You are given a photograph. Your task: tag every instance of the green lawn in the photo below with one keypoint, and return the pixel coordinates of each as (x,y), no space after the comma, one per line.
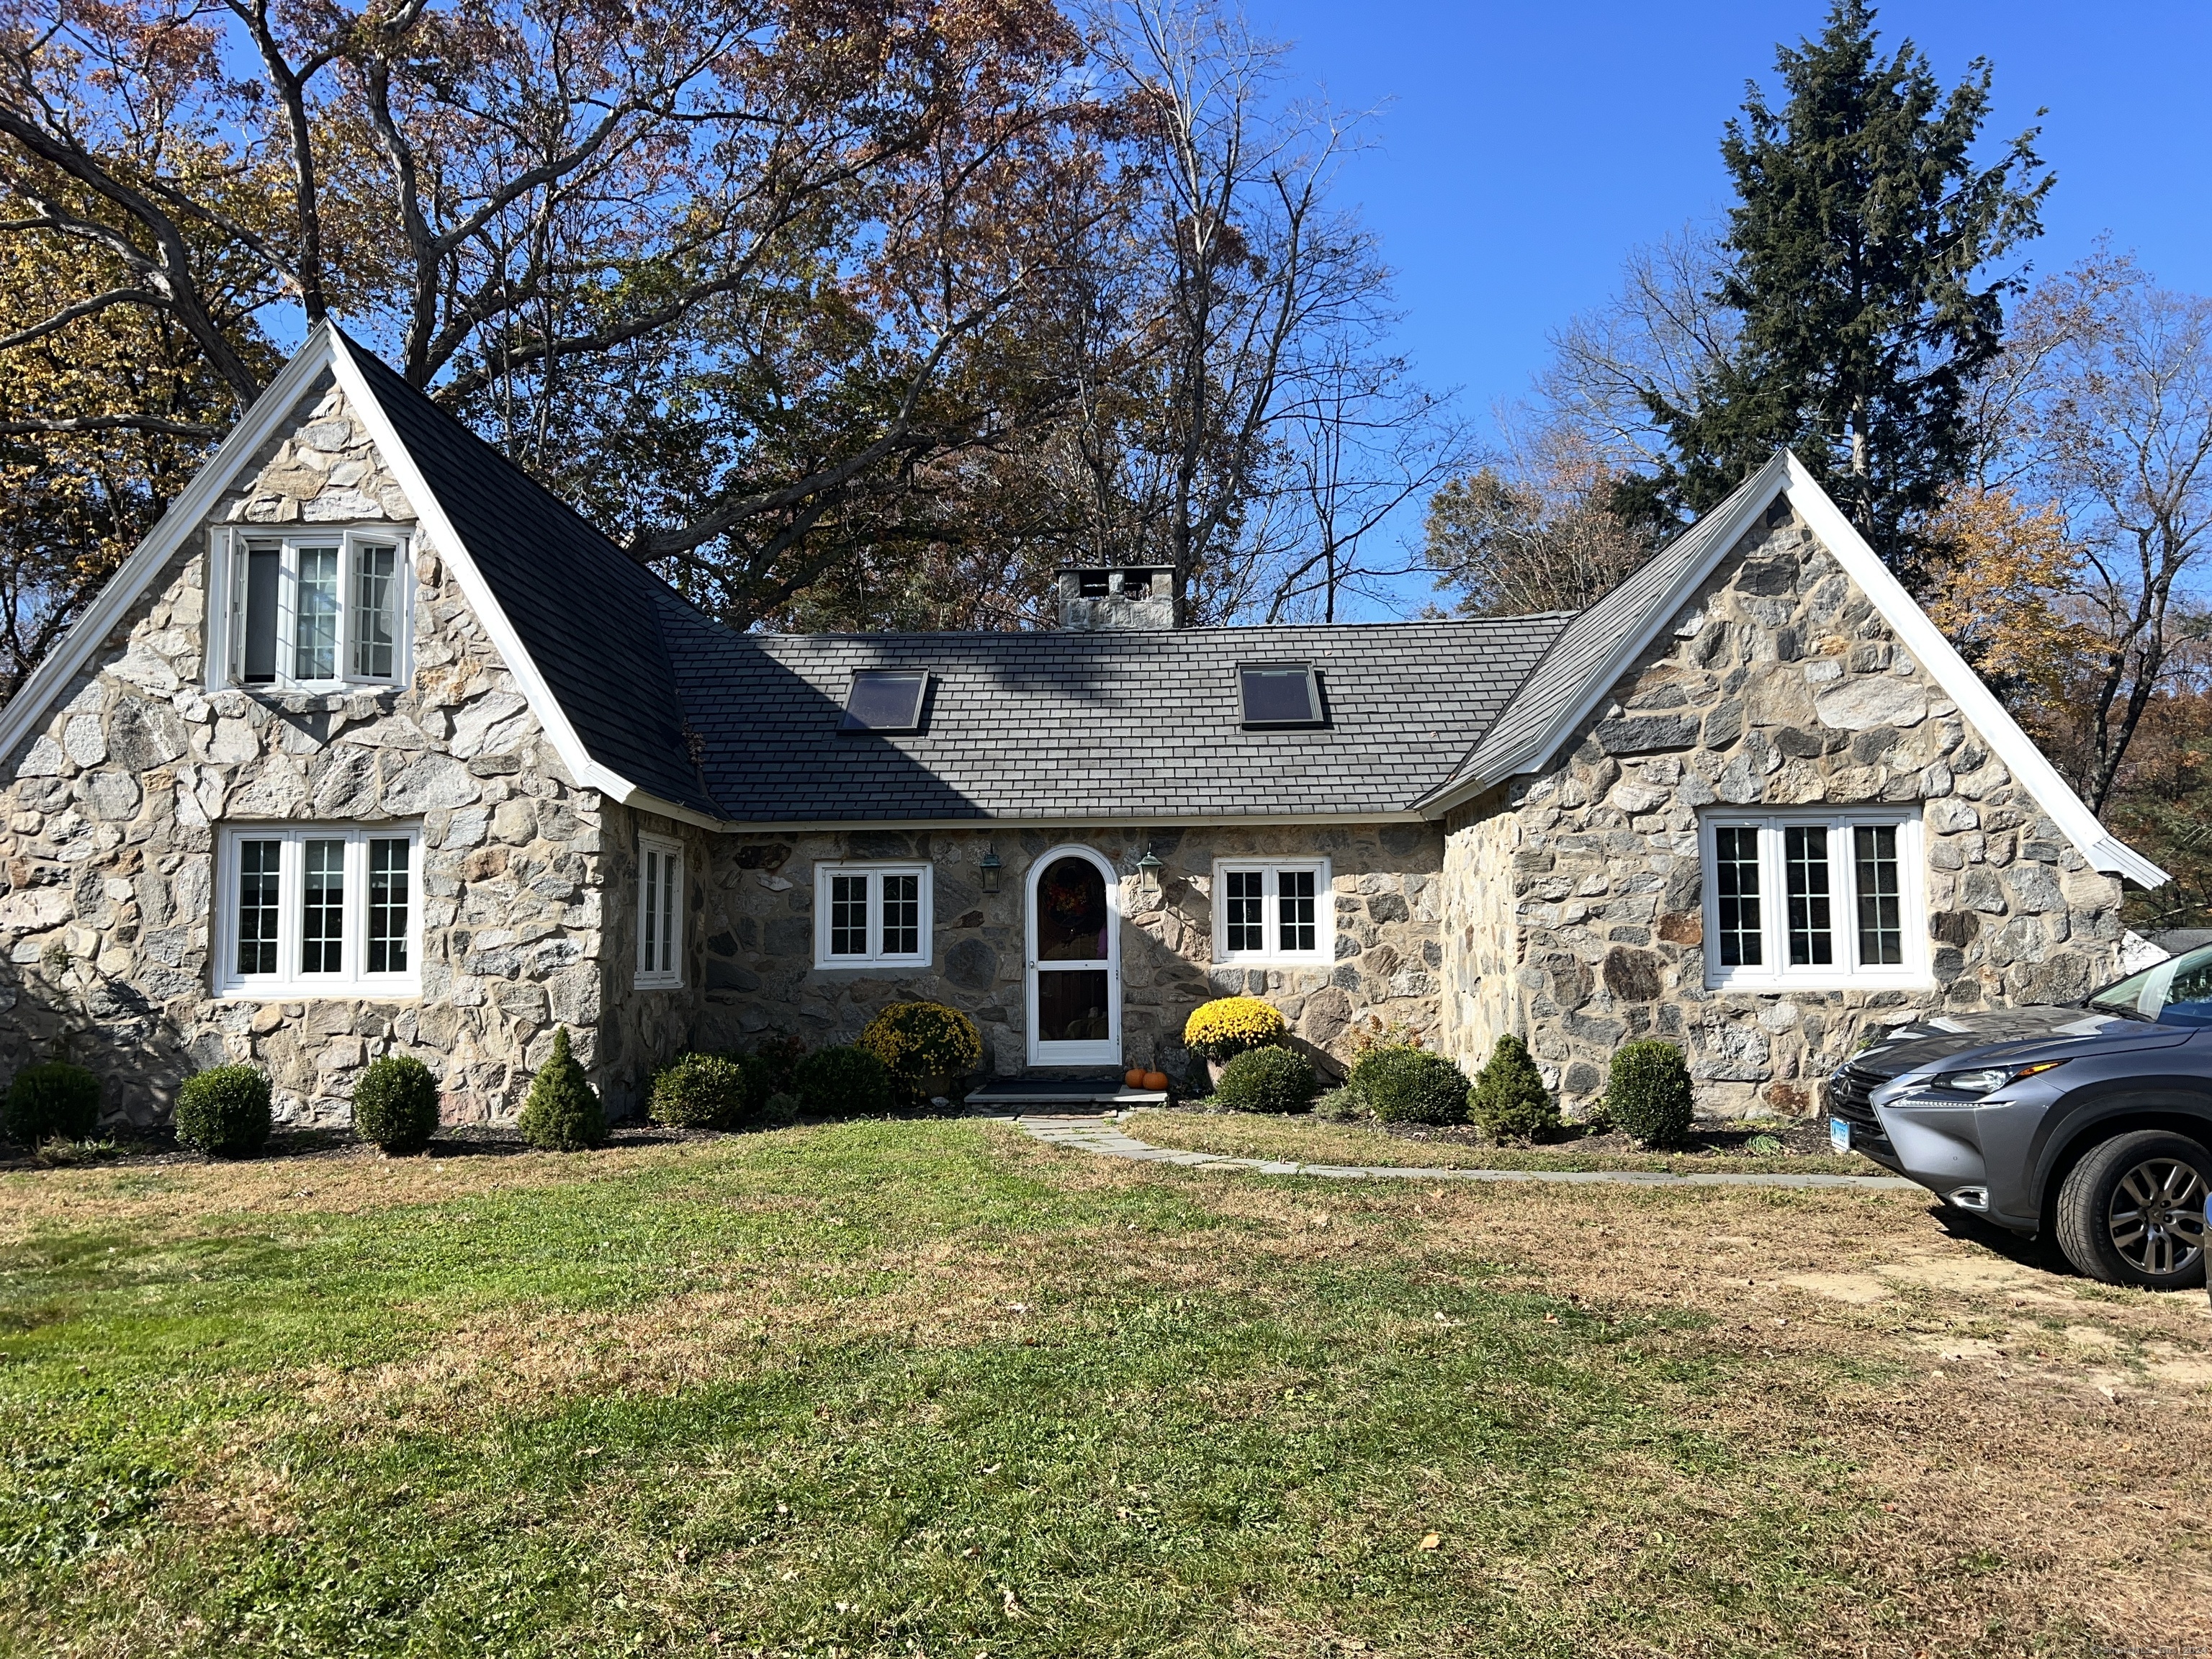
(897,1388)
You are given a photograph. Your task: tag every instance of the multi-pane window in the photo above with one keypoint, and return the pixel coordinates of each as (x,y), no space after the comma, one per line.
(660,913)
(1273,912)
(1795,898)
(318,911)
(312,610)
(872,915)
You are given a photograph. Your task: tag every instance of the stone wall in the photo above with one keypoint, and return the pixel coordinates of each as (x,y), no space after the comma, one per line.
(1480,999)
(110,811)
(760,974)
(1778,684)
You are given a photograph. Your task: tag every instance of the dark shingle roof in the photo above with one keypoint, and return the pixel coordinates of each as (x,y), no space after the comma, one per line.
(1106,725)
(587,614)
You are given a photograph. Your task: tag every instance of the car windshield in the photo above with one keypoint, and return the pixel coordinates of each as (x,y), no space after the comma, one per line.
(2177,992)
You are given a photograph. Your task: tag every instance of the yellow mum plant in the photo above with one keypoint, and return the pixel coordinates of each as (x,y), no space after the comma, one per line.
(918,1039)
(1229,1025)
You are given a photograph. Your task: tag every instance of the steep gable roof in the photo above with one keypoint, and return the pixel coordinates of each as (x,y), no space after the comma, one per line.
(1592,654)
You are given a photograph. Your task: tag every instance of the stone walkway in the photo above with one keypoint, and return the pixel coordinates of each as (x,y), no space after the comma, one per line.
(1096,1134)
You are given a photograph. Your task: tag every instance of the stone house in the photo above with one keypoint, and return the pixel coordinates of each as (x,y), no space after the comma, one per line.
(374,746)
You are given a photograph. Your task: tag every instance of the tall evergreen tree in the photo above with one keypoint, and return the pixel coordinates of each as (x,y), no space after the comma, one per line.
(1858,257)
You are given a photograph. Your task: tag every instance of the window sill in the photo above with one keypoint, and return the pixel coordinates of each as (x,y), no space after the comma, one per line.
(321,992)
(1277,962)
(877,965)
(1783,988)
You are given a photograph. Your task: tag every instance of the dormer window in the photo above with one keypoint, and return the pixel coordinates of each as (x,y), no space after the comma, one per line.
(309,611)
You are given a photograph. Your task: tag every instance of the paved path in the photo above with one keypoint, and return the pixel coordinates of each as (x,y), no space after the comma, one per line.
(1096,1134)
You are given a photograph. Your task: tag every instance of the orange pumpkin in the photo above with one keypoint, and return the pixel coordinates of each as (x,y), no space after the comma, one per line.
(1156,1081)
(1135,1079)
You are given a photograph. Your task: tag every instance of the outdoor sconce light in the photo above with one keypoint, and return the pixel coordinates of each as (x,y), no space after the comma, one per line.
(1148,872)
(988,864)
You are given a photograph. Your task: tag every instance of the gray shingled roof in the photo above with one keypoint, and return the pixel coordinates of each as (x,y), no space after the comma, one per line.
(1587,655)
(1090,725)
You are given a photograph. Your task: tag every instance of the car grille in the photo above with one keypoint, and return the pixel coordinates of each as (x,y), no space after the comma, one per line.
(1849,1097)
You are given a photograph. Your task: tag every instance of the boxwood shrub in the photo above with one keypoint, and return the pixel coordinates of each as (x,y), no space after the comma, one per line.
(395,1104)
(707,1092)
(842,1082)
(224,1111)
(1647,1093)
(53,1101)
(1266,1080)
(1411,1086)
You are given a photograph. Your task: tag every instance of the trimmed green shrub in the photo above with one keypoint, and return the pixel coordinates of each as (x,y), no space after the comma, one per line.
(395,1104)
(706,1091)
(1266,1080)
(778,1053)
(841,1082)
(1411,1086)
(1508,1101)
(1647,1093)
(53,1101)
(1342,1105)
(562,1113)
(224,1111)
(920,1042)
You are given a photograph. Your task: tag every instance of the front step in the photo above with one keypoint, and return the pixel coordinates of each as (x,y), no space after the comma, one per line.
(1063,1094)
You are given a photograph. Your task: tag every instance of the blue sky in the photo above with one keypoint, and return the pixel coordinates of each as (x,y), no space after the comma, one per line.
(1521,149)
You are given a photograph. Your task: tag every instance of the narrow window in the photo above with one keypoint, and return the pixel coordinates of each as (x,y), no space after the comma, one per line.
(1881,894)
(649,917)
(1247,924)
(1805,866)
(388,899)
(322,908)
(849,915)
(1297,903)
(659,913)
(901,915)
(258,888)
(375,612)
(1736,892)
(265,570)
(316,638)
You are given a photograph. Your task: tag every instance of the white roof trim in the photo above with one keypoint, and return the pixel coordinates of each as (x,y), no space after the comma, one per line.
(2031,769)
(589,772)
(1785,475)
(193,503)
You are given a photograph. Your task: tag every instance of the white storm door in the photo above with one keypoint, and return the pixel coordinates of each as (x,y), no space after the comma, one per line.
(1074,960)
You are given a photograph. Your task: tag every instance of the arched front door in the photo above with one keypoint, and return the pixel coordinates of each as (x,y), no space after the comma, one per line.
(1074,960)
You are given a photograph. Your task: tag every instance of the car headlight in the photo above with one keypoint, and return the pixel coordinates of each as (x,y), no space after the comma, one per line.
(1988,1079)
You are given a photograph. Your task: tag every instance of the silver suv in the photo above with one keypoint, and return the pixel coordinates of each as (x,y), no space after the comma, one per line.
(2087,1124)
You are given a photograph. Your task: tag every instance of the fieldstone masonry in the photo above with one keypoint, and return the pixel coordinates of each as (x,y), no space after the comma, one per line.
(1576,894)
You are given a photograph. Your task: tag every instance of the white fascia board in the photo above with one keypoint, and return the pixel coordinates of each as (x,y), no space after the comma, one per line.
(1119,821)
(1767,482)
(2031,769)
(193,503)
(587,772)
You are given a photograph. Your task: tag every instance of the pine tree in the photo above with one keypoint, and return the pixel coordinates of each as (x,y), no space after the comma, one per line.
(1858,254)
(562,1113)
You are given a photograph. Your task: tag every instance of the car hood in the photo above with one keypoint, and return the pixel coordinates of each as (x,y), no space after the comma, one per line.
(2023,1035)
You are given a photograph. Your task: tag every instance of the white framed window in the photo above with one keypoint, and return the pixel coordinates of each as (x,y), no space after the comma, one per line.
(872,915)
(1813,900)
(1272,911)
(305,609)
(320,910)
(659,913)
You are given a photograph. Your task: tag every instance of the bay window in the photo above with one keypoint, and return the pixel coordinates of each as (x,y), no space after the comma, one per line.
(320,910)
(301,609)
(1272,911)
(1813,900)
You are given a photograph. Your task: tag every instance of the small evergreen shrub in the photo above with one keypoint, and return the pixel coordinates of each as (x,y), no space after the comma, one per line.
(395,1104)
(1266,1080)
(562,1113)
(1411,1086)
(1647,1093)
(1342,1105)
(55,1100)
(706,1091)
(918,1041)
(1227,1026)
(842,1082)
(1508,1101)
(778,1053)
(224,1111)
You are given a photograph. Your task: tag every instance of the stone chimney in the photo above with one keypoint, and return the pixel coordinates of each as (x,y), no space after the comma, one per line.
(1122,596)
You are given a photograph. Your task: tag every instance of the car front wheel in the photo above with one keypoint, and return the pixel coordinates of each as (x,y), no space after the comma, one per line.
(2132,1212)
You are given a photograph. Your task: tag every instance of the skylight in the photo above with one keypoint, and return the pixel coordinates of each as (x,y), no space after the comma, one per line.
(1279,694)
(884,700)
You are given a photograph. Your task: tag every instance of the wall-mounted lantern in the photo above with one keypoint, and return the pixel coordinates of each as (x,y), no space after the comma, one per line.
(1148,872)
(988,864)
